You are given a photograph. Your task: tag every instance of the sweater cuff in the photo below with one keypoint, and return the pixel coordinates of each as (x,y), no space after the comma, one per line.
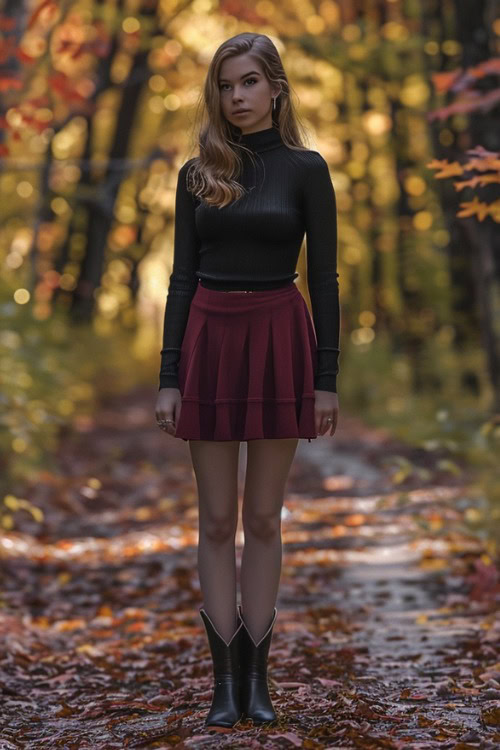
(326,383)
(168,381)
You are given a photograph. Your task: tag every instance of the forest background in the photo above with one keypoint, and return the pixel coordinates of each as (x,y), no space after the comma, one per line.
(402,100)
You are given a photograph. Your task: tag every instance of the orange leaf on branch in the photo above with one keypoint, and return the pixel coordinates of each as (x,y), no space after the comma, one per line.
(474,207)
(448,169)
(478,181)
(444,81)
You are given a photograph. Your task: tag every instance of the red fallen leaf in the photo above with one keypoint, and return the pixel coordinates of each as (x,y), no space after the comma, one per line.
(329,683)
(66,710)
(134,704)
(292,737)
(291,684)
(406,694)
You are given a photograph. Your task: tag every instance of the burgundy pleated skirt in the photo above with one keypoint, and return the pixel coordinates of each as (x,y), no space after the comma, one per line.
(247,363)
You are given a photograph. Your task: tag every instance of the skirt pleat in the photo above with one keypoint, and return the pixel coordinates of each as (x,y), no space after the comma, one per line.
(246,370)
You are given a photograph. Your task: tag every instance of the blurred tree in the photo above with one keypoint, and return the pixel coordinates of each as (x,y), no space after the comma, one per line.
(474,265)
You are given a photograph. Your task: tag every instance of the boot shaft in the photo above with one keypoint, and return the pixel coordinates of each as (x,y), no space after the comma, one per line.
(225,710)
(254,656)
(256,701)
(225,656)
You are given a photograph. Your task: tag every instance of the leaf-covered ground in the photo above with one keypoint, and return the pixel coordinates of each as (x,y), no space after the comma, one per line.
(387,633)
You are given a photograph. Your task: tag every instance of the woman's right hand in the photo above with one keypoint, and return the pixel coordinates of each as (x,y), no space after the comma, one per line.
(168,406)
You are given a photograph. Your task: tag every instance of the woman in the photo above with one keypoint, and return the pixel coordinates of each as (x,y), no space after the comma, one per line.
(241,358)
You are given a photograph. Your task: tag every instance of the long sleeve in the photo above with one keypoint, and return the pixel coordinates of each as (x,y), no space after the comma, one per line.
(322,278)
(183,281)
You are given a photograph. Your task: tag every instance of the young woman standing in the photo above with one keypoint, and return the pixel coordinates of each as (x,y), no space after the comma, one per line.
(242,360)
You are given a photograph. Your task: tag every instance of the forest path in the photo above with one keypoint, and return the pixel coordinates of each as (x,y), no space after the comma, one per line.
(387,631)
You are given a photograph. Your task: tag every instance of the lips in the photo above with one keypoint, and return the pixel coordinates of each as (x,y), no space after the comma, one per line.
(240,111)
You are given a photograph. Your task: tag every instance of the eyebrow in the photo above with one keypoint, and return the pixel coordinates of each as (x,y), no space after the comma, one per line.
(243,76)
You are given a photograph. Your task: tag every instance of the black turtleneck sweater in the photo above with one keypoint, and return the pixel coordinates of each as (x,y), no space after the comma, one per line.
(254,243)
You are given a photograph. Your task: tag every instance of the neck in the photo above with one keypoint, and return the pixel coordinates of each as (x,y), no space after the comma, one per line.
(260,140)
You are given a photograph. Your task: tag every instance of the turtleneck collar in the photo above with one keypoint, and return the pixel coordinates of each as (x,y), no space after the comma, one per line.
(261,140)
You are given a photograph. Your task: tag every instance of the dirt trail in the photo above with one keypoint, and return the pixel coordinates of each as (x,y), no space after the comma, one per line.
(387,633)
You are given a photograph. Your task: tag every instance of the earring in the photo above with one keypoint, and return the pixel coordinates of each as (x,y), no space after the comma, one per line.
(274,101)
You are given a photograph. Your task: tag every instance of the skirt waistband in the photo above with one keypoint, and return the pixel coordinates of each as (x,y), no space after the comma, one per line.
(243,300)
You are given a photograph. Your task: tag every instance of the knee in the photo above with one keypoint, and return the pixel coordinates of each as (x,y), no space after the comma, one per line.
(264,526)
(219,530)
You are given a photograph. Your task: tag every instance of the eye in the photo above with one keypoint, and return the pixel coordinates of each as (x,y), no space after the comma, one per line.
(246,81)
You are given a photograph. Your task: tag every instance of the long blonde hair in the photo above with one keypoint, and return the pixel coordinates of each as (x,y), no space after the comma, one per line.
(212,175)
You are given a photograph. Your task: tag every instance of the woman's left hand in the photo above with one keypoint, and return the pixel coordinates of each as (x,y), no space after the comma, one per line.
(326,405)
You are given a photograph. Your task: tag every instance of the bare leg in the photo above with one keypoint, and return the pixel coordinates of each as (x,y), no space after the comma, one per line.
(215,465)
(268,466)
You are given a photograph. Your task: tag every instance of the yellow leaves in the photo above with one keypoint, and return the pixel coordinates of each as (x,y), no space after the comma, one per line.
(444,464)
(7,522)
(491,716)
(88,648)
(433,563)
(68,625)
(143,514)
(105,611)
(473,515)
(14,504)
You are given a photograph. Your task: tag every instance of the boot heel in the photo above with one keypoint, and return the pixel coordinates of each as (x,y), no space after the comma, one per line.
(256,702)
(225,710)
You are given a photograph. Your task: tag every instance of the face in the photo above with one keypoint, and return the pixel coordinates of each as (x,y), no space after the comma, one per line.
(243,85)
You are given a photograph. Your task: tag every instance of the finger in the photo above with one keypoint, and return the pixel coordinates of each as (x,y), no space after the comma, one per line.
(323,424)
(177,414)
(318,419)
(334,424)
(171,425)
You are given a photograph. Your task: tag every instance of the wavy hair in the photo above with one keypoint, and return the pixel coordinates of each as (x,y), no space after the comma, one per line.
(212,176)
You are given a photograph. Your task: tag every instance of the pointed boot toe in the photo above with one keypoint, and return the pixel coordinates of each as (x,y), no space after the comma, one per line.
(225,710)
(256,702)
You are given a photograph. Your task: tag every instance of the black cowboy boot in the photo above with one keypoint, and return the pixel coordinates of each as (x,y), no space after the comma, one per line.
(225,710)
(255,699)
